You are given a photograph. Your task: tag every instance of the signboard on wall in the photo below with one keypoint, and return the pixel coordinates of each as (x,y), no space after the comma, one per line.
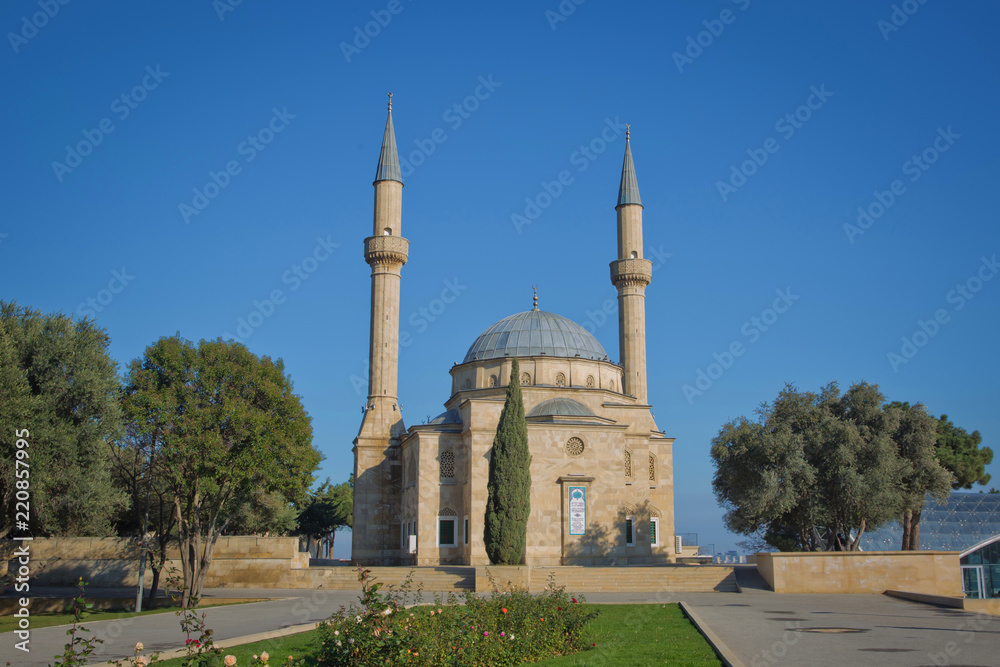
(577,510)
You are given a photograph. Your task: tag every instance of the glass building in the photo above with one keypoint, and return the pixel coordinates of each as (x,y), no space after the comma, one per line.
(981,569)
(962,522)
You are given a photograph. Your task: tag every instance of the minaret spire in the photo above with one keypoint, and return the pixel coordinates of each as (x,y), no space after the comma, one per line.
(628,191)
(388,159)
(630,273)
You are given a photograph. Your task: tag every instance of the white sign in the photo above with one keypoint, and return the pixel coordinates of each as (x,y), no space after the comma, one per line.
(577,510)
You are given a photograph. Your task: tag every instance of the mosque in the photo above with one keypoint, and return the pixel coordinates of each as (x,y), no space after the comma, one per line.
(601,470)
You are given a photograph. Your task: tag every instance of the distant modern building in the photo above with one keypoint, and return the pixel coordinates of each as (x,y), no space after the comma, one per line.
(968,523)
(601,469)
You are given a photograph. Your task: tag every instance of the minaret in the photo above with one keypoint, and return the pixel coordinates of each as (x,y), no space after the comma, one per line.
(630,273)
(377,468)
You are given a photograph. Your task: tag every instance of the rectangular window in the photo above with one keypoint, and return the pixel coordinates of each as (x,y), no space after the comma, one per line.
(630,531)
(466,533)
(446,531)
(654,532)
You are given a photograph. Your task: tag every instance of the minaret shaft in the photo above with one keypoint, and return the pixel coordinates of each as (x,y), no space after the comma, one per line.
(377,469)
(630,273)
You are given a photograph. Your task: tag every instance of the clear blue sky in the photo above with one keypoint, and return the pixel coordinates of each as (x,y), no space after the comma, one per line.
(209,79)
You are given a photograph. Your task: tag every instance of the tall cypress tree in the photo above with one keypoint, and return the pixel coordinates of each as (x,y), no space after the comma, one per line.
(508,501)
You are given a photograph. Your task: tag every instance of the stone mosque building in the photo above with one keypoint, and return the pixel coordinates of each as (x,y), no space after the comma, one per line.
(601,470)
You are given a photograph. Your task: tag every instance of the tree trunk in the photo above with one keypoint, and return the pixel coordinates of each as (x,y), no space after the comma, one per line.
(915,531)
(151,600)
(906,521)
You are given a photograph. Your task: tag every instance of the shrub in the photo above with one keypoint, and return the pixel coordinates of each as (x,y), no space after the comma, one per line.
(510,627)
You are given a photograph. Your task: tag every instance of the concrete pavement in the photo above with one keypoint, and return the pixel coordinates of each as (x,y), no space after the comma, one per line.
(758,627)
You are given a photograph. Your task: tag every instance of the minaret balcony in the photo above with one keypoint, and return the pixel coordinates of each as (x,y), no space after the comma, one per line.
(631,272)
(386,250)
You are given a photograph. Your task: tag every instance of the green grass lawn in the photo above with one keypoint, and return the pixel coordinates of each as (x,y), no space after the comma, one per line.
(625,634)
(641,634)
(48,619)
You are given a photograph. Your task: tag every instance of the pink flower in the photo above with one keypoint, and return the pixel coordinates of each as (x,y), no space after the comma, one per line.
(502,633)
(138,646)
(230,661)
(486,633)
(141,661)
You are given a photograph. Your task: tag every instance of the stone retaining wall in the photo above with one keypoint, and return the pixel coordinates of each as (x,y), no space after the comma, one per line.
(928,572)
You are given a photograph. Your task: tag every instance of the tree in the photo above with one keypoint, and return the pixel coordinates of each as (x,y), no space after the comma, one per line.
(915,439)
(959,452)
(58,383)
(814,472)
(508,489)
(330,508)
(228,427)
(138,468)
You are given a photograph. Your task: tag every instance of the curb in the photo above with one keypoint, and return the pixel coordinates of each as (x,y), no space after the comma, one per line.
(727,657)
(234,641)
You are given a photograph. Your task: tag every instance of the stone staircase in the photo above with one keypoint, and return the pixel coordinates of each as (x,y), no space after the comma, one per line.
(664,578)
(653,579)
(429,579)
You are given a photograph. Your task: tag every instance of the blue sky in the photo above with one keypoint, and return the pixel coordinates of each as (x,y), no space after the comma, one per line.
(240,159)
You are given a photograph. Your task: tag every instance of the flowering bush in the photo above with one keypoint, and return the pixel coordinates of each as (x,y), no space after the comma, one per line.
(510,627)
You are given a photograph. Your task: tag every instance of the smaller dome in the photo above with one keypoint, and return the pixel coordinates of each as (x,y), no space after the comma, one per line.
(562,407)
(449,417)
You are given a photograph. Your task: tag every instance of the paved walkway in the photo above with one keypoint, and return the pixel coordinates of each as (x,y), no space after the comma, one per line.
(759,628)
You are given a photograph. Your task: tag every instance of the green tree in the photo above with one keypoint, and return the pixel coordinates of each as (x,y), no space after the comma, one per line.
(138,468)
(959,452)
(58,382)
(915,439)
(814,472)
(508,502)
(330,508)
(229,426)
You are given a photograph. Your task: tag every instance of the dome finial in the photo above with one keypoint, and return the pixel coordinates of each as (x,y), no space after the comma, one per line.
(627,125)
(535,288)
(390,109)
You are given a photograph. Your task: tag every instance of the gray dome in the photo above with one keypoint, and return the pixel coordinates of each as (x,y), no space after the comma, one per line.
(561,407)
(532,333)
(449,417)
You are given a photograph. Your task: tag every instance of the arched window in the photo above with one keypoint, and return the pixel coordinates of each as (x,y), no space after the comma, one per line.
(447,465)
(628,465)
(493,380)
(635,255)
(560,380)
(387,231)
(468,384)
(652,468)
(525,378)
(590,382)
